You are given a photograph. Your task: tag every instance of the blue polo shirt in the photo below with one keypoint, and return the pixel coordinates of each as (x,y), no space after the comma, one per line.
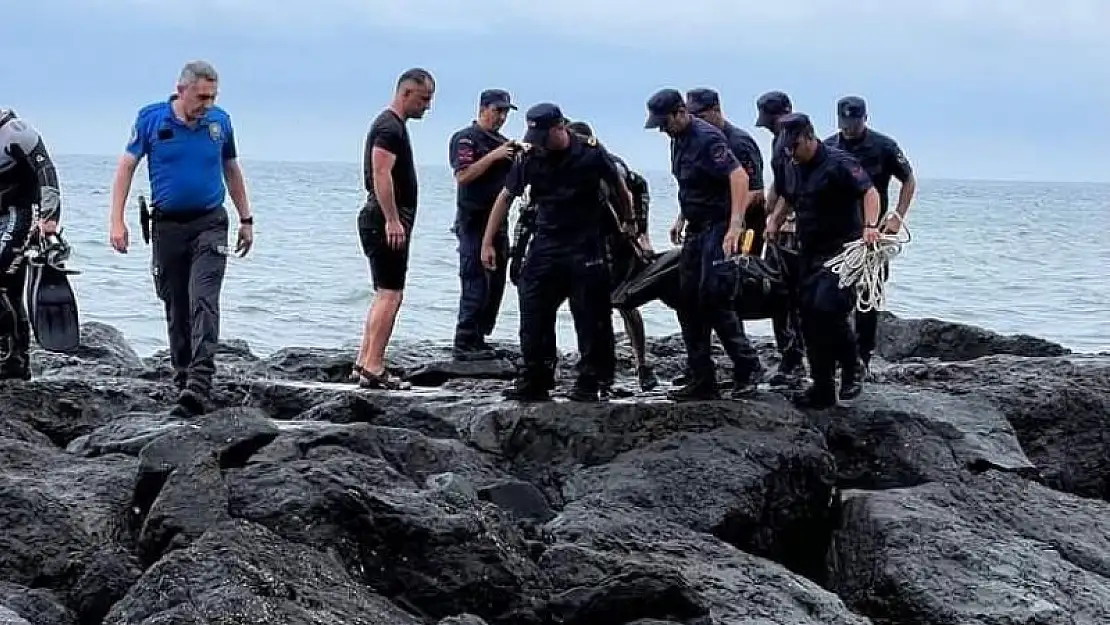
(185,163)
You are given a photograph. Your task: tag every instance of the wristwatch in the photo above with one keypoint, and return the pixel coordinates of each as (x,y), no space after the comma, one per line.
(247,221)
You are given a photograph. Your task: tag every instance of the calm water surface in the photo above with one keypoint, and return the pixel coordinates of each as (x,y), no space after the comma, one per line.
(1014,257)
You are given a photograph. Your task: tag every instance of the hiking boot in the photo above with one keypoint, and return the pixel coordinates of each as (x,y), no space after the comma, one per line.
(190,403)
(470,352)
(696,391)
(788,377)
(850,387)
(526,392)
(816,398)
(647,377)
(584,393)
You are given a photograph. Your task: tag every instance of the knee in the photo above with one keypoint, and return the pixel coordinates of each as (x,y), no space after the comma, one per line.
(389,297)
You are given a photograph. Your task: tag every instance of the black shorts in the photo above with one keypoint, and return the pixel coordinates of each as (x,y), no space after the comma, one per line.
(388,267)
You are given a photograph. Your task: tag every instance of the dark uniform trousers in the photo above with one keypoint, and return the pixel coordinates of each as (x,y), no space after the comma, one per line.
(553,271)
(867,323)
(189,261)
(15,328)
(481,290)
(826,321)
(787,321)
(708,286)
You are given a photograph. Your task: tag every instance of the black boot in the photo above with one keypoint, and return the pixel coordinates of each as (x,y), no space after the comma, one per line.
(648,379)
(698,388)
(525,391)
(850,387)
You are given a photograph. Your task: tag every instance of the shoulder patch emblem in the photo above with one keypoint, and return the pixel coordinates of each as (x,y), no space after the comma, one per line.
(215,131)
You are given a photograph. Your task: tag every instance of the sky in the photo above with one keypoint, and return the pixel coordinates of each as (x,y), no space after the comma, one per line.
(971,89)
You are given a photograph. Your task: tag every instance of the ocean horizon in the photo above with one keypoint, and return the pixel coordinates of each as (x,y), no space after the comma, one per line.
(1011,256)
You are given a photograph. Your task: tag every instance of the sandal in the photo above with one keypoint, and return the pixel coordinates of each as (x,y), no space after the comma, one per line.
(382,381)
(357,373)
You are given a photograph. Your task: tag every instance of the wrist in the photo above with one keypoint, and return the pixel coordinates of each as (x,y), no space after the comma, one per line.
(246,221)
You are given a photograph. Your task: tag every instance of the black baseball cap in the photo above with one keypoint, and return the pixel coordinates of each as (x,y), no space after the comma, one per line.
(772,105)
(542,118)
(497,98)
(661,104)
(850,110)
(794,124)
(700,100)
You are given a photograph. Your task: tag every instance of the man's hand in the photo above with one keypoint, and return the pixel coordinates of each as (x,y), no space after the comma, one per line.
(676,230)
(871,235)
(772,228)
(245,239)
(732,240)
(505,150)
(48,227)
(394,233)
(892,224)
(118,236)
(489,256)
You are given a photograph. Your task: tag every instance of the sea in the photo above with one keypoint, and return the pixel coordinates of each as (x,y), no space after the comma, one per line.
(1015,257)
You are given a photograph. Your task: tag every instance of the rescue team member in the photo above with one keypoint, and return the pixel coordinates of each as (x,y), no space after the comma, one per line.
(624,259)
(386,221)
(706,104)
(771,107)
(190,148)
(712,195)
(882,159)
(480,157)
(27,179)
(829,186)
(566,257)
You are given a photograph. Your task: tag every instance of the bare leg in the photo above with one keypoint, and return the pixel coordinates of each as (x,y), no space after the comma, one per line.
(637,337)
(380,320)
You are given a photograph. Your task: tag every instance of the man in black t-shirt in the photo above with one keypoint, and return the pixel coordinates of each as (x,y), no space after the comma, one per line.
(386,221)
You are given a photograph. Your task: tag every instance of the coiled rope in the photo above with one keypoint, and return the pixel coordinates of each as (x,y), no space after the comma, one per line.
(864,266)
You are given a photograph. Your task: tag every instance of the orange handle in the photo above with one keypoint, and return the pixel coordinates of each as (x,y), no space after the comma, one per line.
(749,239)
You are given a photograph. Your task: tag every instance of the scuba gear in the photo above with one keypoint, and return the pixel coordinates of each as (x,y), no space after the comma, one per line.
(51,302)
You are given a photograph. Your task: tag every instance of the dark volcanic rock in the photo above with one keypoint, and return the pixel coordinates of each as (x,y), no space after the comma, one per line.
(302,499)
(988,550)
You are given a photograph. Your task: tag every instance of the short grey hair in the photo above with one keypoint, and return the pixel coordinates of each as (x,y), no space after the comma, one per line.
(195,71)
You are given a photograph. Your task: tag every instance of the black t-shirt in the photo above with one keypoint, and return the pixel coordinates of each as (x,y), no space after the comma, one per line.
(389,133)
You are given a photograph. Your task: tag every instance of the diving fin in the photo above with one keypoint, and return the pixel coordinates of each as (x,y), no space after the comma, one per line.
(51,302)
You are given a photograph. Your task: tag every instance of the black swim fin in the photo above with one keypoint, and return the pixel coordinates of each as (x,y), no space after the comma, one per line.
(52,307)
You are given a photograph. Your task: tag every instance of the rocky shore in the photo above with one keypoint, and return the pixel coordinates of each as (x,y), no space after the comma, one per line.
(967,486)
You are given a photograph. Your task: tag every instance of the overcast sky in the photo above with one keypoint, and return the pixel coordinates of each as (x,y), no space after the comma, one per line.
(995,89)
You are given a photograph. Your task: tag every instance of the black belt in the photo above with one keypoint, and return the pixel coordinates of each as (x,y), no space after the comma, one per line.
(181,216)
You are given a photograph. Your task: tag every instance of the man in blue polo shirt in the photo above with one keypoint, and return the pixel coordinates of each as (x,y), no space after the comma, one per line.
(191,151)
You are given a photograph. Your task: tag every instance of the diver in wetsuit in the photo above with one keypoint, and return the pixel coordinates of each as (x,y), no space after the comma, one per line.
(625,260)
(29,199)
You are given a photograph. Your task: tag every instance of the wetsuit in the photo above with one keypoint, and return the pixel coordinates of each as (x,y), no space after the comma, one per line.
(29,192)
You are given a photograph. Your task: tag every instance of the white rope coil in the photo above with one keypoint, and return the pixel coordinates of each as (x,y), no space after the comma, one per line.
(863,266)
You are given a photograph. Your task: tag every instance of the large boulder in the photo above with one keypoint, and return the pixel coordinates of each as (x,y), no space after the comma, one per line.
(950,492)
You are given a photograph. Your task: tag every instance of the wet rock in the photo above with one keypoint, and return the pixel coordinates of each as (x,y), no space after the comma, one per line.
(991,549)
(899,339)
(303,499)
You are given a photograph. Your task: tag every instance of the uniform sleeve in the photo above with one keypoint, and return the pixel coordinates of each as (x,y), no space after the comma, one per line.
(462,153)
(611,172)
(26,144)
(517,177)
(854,176)
(231,150)
(717,156)
(833,140)
(895,161)
(138,144)
(747,152)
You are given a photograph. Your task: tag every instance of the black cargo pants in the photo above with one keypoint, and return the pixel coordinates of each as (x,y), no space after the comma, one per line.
(188,264)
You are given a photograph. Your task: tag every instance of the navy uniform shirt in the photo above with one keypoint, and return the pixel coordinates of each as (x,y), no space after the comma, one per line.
(881,159)
(828,200)
(638,187)
(781,168)
(747,152)
(185,163)
(566,188)
(702,161)
(475,199)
